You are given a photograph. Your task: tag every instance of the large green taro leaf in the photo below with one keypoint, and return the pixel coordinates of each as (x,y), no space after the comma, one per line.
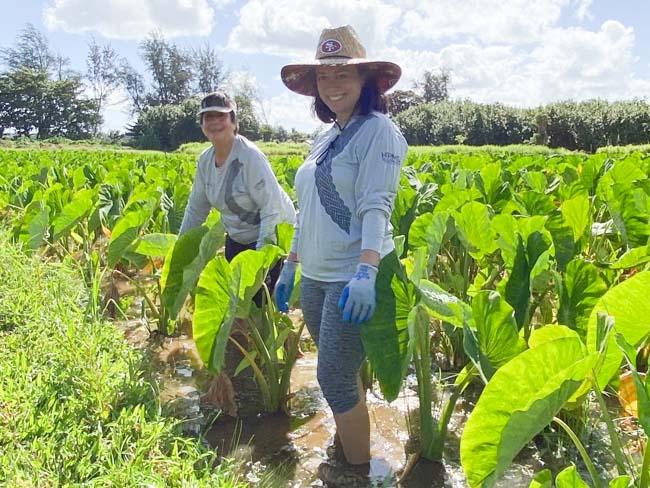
(628,303)
(385,336)
(224,292)
(216,304)
(582,287)
(493,338)
(254,267)
(475,231)
(576,213)
(73,213)
(522,398)
(125,234)
(185,262)
(428,230)
(156,244)
(444,305)
(34,226)
(529,261)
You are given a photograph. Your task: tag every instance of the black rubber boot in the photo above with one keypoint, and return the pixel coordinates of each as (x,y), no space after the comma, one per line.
(344,475)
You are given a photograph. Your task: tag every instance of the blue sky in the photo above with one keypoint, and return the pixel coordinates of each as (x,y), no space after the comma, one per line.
(518,52)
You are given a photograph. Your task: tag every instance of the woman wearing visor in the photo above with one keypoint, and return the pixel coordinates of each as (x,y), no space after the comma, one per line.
(235,177)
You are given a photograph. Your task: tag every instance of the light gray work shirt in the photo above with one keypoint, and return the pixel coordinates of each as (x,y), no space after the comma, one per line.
(244,190)
(347,173)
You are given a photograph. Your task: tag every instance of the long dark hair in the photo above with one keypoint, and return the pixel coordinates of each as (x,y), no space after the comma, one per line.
(370,99)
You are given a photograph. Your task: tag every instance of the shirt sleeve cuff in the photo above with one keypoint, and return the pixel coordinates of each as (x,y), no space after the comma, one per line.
(373,230)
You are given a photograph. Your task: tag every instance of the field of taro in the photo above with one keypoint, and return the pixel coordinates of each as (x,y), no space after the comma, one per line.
(522,275)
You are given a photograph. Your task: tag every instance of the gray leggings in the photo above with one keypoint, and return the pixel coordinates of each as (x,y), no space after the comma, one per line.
(340,351)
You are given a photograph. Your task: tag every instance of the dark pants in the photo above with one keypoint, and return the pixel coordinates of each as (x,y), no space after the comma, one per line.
(233,248)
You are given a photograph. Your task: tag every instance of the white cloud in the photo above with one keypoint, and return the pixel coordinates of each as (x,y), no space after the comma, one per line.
(583,10)
(579,64)
(488,21)
(571,63)
(291,111)
(291,27)
(123,19)
(222,4)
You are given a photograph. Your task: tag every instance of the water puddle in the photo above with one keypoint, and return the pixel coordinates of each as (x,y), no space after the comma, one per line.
(286,450)
(280,450)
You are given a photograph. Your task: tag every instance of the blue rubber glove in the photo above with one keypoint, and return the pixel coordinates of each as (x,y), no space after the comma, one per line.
(284,285)
(359,299)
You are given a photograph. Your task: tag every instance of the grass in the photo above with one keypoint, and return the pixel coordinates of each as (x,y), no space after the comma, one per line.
(77,407)
(625,150)
(61,143)
(513,149)
(268,148)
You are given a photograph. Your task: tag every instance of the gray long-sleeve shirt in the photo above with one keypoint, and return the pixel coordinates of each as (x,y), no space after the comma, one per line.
(243,189)
(347,174)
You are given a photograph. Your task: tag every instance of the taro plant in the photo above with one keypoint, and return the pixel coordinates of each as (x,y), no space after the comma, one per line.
(275,341)
(224,294)
(642,389)
(400,332)
(526,393)
(570,478)
(185,262)
(128,243)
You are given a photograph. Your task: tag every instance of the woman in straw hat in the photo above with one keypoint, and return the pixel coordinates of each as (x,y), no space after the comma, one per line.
(346,189)
(235,177)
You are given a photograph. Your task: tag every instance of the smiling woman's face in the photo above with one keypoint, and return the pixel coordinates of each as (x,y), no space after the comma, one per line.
(340,88)
(218,127)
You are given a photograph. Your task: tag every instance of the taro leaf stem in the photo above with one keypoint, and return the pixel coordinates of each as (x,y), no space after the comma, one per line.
(583,452)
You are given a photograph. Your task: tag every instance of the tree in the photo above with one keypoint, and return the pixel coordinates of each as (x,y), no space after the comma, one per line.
(280,134)
(101,73)
(31,51)
(166,127)
(170,68)
(295,136)
(246,87)
(133,83)
(210,74)
(400,100)
(38,94)
(31,102)
(266,131)
(61,68)
(434,86)
(249,126)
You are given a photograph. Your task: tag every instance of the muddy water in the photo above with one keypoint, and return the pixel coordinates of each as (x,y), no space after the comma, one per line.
(286,451)
(282,450)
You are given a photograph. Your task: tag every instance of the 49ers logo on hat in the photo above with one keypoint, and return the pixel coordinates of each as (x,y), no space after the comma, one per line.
(330,46)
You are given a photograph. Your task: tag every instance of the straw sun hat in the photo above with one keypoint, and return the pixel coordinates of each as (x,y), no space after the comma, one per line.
(338,46)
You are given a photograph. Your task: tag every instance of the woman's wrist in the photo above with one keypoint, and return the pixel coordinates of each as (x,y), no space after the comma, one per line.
(368,256)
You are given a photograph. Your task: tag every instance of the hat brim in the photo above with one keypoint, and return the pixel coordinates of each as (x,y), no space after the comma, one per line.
(223,110)
(300,78)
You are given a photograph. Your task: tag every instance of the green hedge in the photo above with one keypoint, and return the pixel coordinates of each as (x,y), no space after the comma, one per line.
(583,126)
